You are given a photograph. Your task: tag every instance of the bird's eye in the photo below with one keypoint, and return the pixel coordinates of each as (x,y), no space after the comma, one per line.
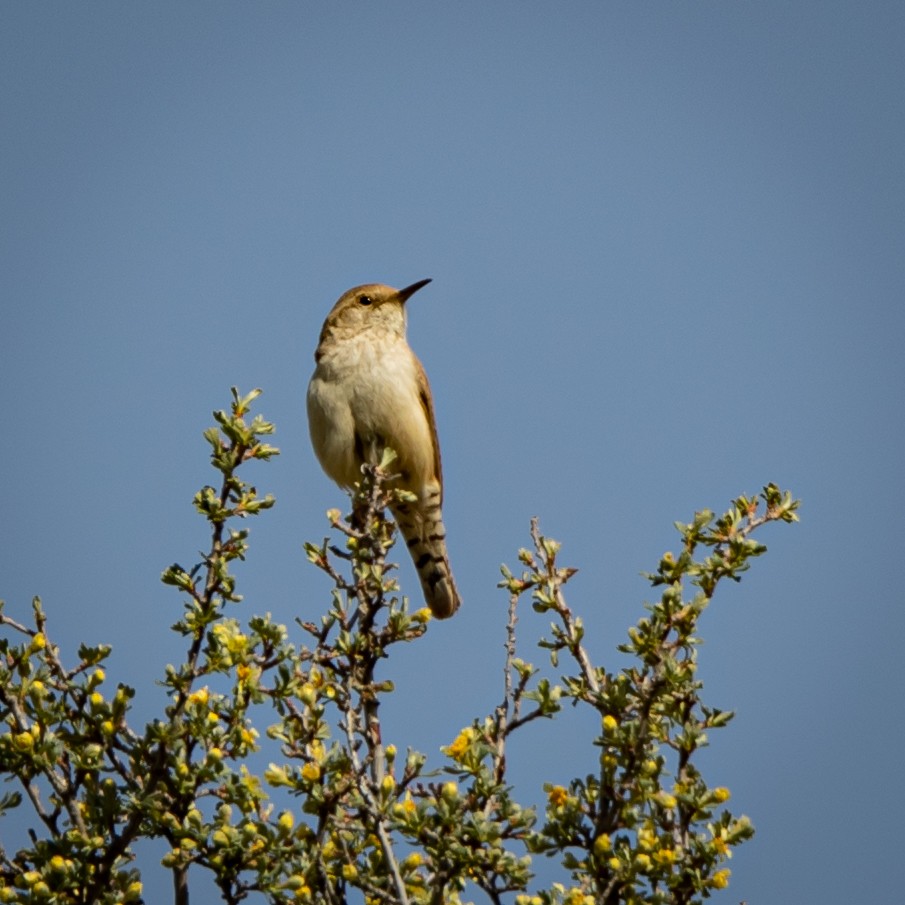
(365,300)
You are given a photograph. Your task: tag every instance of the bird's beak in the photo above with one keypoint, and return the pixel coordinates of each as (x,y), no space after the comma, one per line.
(409,291)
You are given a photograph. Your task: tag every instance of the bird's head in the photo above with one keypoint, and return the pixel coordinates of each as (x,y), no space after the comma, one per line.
(372,306)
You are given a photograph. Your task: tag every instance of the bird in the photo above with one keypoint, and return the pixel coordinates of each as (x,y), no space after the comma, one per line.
(369,392)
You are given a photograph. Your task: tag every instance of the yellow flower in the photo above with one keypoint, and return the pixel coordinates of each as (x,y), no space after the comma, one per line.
(236,644)
(200,696)
(39,642)
(311,772)
(462,741)
(350,872)
(557,796)
(665,856)
(610,722)
(643,861)
(24,741)
(308,694)
(286,821)
(664,799)
(614,863)
(602,845)
(243,672)
(406,807)
(423,615)
(720,880)
(721,794)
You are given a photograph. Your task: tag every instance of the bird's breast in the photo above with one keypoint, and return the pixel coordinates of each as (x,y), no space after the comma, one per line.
(367,395)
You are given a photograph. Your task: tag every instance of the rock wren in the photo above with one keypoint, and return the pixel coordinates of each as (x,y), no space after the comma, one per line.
(369,392)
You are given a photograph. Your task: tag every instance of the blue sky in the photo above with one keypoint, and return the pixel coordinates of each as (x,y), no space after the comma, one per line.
(668,251)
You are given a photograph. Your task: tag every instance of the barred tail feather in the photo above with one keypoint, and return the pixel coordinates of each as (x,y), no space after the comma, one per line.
(421,524)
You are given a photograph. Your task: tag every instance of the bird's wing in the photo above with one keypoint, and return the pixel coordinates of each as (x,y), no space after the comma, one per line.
(424,394)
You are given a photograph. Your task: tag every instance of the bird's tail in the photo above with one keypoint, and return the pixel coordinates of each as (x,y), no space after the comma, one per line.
(421,524)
